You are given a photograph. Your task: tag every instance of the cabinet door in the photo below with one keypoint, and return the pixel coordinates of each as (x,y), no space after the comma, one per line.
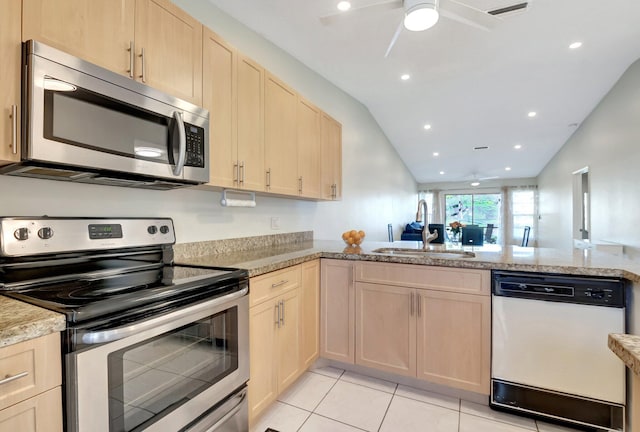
(10,78)
(219,97)
(386,328)
(99,31)
(331,156)
(250,128)
(263,387)
(308,149)
(454,336)
(281,149)
(309,313)
(42,413)
(337,311)
(289,364)
(172,44)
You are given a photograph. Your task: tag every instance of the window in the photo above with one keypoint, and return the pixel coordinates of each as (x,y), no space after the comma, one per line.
(523,211)
(475,209)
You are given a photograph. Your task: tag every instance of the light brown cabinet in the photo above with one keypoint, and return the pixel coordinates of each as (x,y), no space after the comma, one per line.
(233,93)
(309,141)
(337,310)
(152,41)
(10,78)
(30,386)
(331,158)
(280,137)
(310,313)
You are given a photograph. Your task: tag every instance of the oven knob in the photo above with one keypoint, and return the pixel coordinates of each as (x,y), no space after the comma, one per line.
(164,229)
(45,233)
(152,229)
(21,234)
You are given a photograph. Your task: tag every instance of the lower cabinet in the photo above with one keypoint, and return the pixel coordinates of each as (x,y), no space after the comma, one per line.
(30,378)
(283,318)
(431,323)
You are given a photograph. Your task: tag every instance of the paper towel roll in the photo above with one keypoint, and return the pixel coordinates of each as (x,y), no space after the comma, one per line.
(237,203)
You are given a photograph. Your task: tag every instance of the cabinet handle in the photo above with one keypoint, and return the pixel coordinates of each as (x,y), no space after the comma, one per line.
(334,191)
(412,302)
(132,58)
(278,314)
(241,175)
(14,129)
(282,282)
(8,378)
(300,185)
(268,178)
(419,300)
(144,74)
(236,173)
(282,303)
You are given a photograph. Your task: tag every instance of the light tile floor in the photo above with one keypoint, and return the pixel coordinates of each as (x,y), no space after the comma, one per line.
(333,400)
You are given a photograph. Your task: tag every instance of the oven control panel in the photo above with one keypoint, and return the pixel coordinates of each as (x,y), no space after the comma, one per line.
(35,236)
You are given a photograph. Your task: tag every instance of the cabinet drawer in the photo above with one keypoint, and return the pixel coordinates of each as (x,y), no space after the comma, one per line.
(35,366)
(270,285)
(42,413)
(470,281)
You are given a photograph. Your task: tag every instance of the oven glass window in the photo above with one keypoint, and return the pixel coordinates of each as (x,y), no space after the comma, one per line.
(154,377)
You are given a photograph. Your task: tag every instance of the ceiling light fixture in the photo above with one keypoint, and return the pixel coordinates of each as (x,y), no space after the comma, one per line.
(575,45)
(441,172)
(475,183)
(532,114)
(436,154)
(507,168)
(420,14)
(517,146)
(405,77)
(344,6)
(427,126)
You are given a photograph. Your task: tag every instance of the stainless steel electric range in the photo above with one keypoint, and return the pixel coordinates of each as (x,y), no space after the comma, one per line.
(149,345)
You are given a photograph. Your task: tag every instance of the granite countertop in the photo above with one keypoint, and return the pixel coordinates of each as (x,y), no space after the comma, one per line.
(627,347)
(267,259)
(21,321)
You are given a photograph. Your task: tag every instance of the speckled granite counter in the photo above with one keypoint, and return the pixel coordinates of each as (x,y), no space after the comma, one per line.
(21,321)
(263,260)
(627,347)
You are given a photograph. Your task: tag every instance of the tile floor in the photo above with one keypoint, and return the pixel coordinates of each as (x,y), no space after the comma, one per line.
(333,400)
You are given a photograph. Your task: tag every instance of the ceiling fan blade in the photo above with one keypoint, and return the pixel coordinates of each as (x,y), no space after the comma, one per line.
(467,15)
(394,39)
(488,178)
(369,9)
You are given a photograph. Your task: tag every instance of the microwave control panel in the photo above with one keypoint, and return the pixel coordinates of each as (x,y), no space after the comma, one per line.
(195,146)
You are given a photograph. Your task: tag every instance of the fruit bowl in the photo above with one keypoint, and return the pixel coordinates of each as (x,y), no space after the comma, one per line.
(353,237)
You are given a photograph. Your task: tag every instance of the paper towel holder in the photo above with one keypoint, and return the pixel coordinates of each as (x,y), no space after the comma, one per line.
(230,202)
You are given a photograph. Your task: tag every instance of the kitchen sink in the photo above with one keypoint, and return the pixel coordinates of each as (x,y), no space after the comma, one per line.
(444,254)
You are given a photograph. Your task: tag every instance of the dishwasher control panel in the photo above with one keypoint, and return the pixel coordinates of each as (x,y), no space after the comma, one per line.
(560,288)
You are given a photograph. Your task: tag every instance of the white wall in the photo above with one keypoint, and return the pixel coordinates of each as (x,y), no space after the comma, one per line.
(608,142)
(377,187)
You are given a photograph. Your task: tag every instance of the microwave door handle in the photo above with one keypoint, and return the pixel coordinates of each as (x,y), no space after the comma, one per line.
(182,150)
(98,337)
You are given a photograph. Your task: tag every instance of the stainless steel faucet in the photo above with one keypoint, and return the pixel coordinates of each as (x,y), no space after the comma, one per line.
(427,236)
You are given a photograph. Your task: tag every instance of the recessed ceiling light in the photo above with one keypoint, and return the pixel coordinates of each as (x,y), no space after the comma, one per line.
(575,45)
(427,126)
(475,183)
(532,114)
(436,154)
(507,168)
(405,77)
(344,6)
(441,172)
(517,146)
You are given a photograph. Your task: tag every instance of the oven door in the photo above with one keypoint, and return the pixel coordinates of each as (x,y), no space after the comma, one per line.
(162,373)
(80,115)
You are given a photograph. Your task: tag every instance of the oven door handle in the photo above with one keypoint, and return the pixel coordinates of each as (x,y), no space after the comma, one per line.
(99,337)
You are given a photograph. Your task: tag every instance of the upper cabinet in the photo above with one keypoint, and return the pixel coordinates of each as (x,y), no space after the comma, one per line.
(331,151)
(152,41)
(10,79)
(280,137)
(233,93)
(168,44)
(308,149)
(99,31)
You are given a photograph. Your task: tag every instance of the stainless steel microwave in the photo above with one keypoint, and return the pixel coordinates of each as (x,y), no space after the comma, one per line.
(86,124)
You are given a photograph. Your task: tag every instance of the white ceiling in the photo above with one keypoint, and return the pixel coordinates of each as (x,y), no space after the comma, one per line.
(474,87)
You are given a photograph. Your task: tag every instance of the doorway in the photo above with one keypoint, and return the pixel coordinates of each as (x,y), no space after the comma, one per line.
(581,205)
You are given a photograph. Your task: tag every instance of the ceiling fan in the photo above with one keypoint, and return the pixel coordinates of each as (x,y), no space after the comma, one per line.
(420,15)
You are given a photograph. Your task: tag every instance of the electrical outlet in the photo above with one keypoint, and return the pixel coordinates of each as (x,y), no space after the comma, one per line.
(275,223)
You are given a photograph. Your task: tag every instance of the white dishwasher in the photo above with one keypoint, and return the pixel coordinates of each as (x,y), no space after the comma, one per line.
(549,348)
